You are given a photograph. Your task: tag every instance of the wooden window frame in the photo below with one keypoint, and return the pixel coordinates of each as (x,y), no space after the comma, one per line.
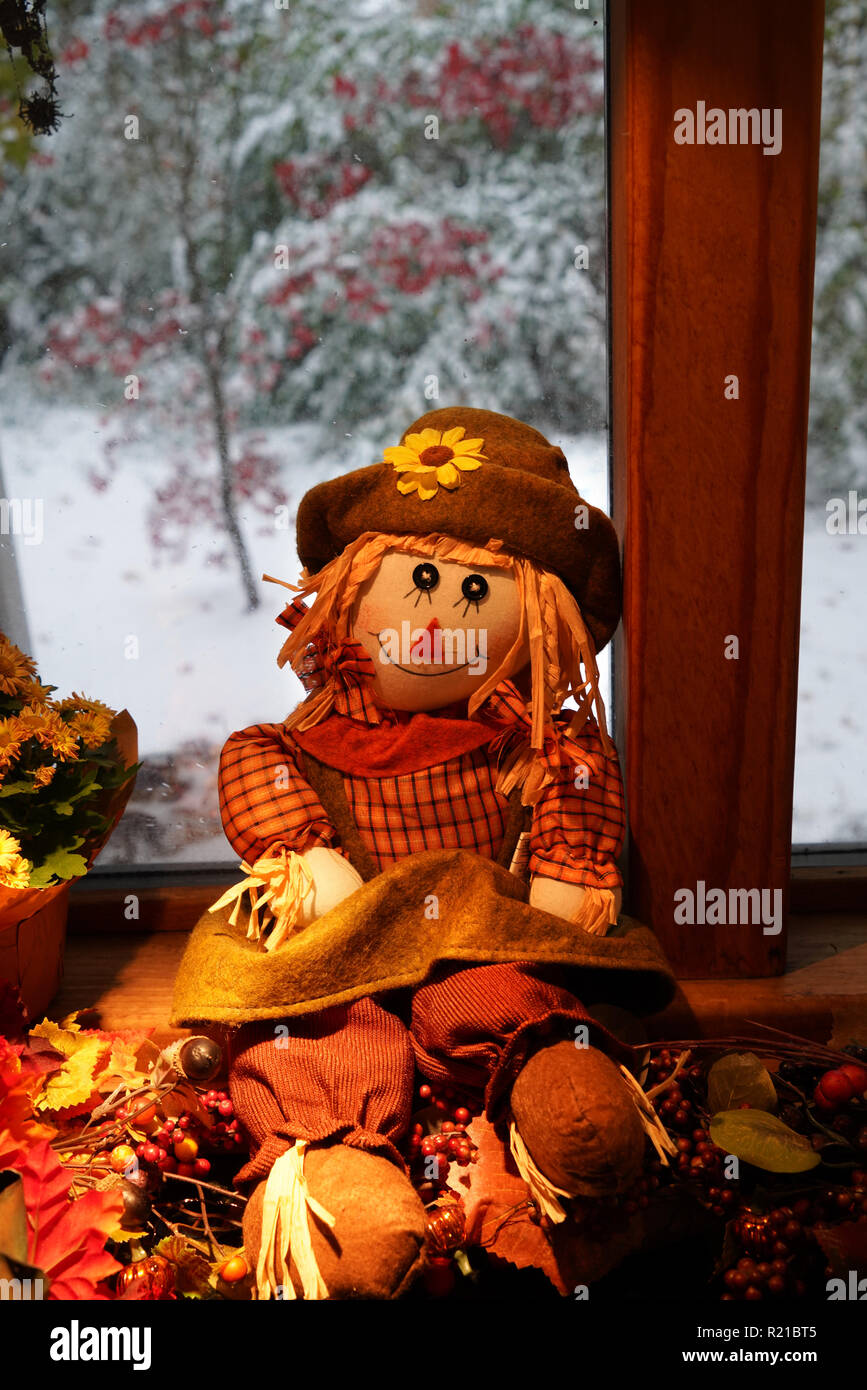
(712,250)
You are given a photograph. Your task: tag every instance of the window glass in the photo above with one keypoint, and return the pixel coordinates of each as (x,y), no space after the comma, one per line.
(831,759)
(261,242)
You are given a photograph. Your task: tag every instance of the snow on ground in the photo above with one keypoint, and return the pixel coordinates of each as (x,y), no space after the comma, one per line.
(831,749)
(205,666)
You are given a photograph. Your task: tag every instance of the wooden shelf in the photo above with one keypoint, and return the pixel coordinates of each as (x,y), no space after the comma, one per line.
(128,977)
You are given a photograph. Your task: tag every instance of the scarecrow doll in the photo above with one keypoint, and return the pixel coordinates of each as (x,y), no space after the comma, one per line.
(429,843)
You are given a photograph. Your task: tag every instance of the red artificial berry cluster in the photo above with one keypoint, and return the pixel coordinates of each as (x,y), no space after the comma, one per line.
(859,1192)
(698,1159)
(451,1143)
(174,1148)
(676,1104)
(752,1280)
(776,1235)
(835,1203)
(225,1136)
(840,1085)
(638,1196)
(776,1245)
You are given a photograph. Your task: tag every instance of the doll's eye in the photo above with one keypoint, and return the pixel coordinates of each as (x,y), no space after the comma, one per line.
(425,577)
(474,588)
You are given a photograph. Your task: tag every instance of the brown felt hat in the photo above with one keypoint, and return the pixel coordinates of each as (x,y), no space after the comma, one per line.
(520,494)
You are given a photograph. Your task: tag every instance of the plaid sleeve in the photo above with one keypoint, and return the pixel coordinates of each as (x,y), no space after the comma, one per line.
(577,830)
(264,800)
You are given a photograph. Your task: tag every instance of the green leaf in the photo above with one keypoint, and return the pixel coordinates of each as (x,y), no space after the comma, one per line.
(90,786)
(739,1078)
(62,864)
(763,1140)
(19,789)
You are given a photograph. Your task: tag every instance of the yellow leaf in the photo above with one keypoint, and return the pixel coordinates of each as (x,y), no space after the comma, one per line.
(73,1084)
(120,1236)
(65,1040)
(120,1068)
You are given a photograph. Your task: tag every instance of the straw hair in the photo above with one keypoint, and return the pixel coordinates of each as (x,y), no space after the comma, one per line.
(562,655)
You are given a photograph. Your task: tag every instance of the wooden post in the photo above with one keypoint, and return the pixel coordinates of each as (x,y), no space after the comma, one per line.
(712,249)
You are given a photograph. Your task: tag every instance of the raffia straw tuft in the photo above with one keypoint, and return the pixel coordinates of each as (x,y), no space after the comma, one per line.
(278,884)
(286,1211)
(546,1194)
(653,1126)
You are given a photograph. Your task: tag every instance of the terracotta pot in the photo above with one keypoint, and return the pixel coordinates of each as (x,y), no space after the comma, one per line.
(32,938)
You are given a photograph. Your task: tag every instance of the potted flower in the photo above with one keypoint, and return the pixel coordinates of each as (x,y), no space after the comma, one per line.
(67,768)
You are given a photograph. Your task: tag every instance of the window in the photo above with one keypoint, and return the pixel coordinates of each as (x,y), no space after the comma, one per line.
(831,761)
(263,241)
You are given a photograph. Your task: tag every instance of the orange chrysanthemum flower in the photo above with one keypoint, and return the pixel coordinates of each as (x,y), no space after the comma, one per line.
(15,667)
(16,874)
(80,704)
(432,459)
(47,727)
(10,743)
(34,692)
(35,721)
(43,775)
(10,849)
(92,727)
(63,741)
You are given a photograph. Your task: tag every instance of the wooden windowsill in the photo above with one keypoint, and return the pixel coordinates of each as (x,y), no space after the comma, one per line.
(127,975)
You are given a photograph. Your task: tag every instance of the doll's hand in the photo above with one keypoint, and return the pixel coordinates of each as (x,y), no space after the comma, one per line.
(592,909)
(287,890)
(334,879)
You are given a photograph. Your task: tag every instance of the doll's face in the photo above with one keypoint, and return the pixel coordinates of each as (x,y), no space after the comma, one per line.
(435,629)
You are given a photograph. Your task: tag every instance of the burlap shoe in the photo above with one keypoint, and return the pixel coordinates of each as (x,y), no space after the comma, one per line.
(375,1248)
(578,1120)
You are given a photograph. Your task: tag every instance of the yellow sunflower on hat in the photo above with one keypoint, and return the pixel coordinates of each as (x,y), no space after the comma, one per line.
(434,459)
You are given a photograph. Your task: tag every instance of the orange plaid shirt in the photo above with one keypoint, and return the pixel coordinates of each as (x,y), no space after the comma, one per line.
(575,835)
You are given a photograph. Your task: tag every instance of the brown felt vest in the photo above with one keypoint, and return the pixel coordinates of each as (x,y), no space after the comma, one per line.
(328,784)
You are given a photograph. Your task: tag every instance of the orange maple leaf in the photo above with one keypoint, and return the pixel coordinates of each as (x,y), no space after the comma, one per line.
(18,1127)
(66,1239)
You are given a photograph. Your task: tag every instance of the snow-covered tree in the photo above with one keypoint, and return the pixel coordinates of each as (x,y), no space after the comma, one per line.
(838,400)
(342,215)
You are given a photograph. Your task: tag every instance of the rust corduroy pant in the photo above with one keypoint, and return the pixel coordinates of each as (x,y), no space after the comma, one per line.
(346,1074)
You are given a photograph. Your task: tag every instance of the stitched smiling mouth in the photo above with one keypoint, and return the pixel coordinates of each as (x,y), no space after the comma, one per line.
(408,670)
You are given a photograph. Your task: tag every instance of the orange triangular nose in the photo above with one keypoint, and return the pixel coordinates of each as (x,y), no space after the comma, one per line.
(432,626)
